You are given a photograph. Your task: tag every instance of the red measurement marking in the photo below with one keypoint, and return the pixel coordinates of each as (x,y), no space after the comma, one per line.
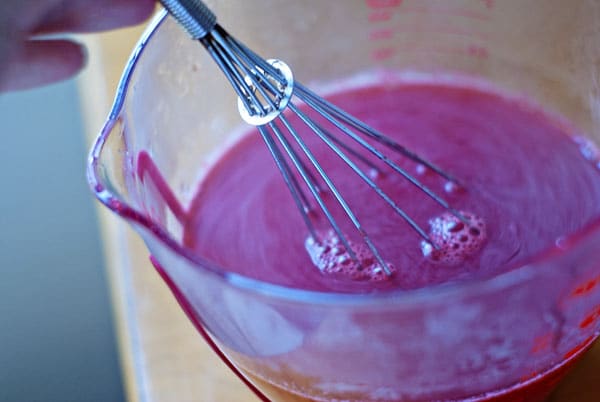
(478,51)
(383,53)
(381,34)
(586,287)
(541,343)
(383,3)
(402,46)
(578,348)
(419,48)
(442,30)
(380,15)
(590,318)
(444,10)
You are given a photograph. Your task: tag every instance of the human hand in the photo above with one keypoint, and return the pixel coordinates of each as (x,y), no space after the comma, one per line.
(28,59)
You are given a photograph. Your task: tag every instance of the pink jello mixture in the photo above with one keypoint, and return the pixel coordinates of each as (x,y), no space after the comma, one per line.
(525,182)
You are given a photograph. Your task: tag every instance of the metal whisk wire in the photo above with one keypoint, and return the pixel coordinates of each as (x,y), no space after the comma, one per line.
(265,89)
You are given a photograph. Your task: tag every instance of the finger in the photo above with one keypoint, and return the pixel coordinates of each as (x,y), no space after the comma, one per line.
(79,16)
(42,62)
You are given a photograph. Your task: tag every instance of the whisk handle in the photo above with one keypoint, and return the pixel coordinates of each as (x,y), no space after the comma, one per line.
(193,15)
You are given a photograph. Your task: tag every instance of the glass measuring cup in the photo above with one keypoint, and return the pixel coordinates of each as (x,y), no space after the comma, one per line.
(272,332)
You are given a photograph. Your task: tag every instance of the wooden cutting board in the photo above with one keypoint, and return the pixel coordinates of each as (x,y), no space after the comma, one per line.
(163,358)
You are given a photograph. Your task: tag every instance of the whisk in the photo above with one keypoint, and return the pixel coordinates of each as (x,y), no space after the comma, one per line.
(266,88)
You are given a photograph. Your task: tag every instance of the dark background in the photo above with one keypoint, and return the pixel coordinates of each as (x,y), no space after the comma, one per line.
(56,330)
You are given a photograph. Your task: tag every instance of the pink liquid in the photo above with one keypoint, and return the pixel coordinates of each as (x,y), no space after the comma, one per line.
(522,175)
